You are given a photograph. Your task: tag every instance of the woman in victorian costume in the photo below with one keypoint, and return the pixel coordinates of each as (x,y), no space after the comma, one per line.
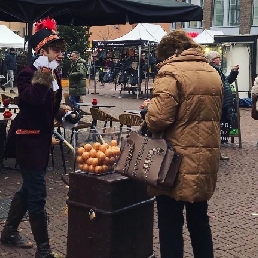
(40,93)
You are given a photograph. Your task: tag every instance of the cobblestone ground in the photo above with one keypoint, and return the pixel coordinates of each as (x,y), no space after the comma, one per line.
(233,209)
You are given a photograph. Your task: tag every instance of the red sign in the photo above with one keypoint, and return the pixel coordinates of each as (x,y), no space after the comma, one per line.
(192,34)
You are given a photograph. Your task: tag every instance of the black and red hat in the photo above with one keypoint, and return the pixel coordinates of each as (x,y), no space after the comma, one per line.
(45,32)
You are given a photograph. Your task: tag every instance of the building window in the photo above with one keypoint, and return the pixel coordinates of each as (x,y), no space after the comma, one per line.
(193,24)
(234,11)
(218,12)
(255,13)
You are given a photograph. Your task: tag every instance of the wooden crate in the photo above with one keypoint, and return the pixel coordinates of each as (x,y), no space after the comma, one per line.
(123,226)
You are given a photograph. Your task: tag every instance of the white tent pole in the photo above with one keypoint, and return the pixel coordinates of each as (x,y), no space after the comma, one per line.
(139,70)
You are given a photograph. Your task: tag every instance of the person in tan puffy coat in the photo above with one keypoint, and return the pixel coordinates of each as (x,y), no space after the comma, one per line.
(186,105)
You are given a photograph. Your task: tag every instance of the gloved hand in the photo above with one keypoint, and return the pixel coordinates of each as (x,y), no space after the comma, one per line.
(144,112)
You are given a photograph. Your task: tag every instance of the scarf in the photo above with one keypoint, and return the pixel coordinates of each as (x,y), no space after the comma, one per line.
(42,61)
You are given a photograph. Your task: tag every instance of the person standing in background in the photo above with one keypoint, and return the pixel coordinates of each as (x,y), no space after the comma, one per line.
(77,82)
(228,115)
(10,67)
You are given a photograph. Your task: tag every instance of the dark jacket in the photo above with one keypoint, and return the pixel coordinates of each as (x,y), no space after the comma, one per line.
(255,100)
(38,106)
(227,80)
(10,62)
(77,74)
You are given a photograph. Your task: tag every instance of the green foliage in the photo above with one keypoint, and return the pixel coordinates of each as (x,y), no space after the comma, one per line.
(77,39)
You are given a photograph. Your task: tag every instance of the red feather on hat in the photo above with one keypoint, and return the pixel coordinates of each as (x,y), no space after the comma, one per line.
(47,23)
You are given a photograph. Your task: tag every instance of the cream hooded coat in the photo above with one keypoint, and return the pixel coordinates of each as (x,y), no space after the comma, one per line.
(186,104)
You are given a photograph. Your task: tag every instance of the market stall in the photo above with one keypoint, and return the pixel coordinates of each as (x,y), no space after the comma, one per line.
(128,49)
(9,39)
(241,50)
(207,37)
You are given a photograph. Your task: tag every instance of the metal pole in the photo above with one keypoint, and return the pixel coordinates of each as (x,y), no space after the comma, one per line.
(95,85)
(90,70)
(139,70)
(29,34)
(148,73)
(238,116)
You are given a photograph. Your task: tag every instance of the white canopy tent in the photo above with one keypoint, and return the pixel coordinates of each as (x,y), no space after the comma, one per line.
(144,31)
(207,36)
(144,34)
(9,39)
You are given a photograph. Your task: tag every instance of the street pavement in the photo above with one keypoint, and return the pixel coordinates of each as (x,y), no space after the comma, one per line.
(233,209)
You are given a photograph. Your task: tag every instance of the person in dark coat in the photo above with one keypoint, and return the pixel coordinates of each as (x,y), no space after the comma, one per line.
(40,93)
(11,68)
(228,115)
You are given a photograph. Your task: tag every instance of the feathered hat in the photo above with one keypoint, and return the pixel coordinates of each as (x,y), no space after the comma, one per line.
(45,32)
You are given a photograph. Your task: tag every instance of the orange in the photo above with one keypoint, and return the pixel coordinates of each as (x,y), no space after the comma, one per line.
(113,143)
(85,155)
(87,147)
(80,150)
(79,159)
(91,169)
(98,169)
(93,153)
(101,155)
(96,145)
(85,167)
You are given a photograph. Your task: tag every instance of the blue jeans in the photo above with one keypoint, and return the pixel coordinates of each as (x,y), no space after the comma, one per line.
(33,190)
(74,100)
(171,221)
(10,81)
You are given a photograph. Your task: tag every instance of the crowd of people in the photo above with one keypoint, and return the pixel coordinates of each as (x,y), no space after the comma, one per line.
(191,98)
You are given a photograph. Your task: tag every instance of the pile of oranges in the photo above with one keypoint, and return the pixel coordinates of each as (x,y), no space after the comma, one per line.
(98,158)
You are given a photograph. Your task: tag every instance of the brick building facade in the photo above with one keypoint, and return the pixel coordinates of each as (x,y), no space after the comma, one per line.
(233,17)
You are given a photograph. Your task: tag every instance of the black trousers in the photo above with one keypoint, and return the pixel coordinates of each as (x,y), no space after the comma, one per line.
(171,221)
(33,190)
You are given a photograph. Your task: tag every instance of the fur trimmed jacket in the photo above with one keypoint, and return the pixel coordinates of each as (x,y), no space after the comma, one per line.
(38,106)
(255,99)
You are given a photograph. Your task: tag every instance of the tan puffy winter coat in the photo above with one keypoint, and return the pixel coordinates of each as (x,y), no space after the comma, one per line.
(186,103)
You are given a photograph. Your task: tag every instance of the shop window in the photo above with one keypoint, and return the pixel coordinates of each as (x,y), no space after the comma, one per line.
(255,13)
(218,12)
(234,11)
